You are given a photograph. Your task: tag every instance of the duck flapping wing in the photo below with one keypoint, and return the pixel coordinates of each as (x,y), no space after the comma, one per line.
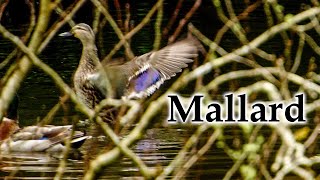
(144,74)
(153,68)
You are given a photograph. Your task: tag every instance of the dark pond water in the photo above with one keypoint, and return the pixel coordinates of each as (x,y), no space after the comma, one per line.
(38,95)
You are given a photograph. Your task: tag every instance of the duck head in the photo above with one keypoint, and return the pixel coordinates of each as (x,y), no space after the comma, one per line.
(9,123)
(81,31)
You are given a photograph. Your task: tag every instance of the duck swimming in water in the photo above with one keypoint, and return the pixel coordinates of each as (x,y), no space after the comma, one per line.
(137,78)
(35,138)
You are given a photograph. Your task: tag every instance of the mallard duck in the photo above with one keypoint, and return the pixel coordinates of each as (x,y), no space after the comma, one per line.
(35,138)
(137,78)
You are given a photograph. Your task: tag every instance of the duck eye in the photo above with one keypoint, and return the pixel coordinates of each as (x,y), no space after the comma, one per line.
(82,28)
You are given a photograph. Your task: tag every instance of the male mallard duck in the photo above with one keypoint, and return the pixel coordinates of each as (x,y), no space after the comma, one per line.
(35,138)
(137,78)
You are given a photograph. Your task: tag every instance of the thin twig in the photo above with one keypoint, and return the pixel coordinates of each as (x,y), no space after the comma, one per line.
(144,21)
(184,21)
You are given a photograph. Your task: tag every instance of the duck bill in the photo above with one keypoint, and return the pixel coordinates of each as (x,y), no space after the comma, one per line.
(66,34)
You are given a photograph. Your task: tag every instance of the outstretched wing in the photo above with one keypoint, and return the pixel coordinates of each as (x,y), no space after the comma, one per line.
(153,68)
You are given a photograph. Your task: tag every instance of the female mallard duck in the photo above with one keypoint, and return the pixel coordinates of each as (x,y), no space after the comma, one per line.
(35,138)
(137,78)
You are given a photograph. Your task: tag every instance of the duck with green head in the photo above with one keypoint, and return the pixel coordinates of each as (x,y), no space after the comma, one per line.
(137,78)
(35,138)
